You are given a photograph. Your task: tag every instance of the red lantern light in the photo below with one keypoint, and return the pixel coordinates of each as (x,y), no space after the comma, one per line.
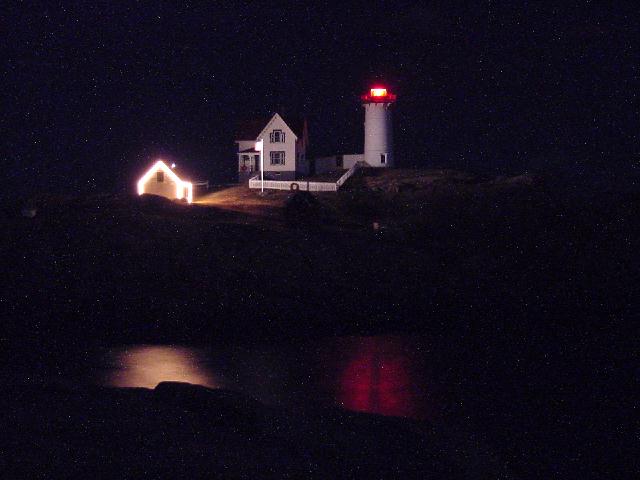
(378,94)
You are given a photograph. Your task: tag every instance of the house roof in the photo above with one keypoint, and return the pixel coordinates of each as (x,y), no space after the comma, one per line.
(250,129)
(156,167)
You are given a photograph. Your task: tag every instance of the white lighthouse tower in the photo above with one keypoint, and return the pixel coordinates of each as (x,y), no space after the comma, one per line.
(378,132)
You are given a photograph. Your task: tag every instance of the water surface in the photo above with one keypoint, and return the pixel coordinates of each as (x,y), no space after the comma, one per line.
(383,374)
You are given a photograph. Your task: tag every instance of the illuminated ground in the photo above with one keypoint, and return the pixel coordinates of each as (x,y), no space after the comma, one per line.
(240,198)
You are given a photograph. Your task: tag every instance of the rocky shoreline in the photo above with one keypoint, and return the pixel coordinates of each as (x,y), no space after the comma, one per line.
(181,430)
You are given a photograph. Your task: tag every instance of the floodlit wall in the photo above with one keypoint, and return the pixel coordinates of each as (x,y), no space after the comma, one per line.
(167,189)
(161,180)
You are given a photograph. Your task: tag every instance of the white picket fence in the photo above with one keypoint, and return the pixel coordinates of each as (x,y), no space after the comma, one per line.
(349,173)
(303,185)
(289,185)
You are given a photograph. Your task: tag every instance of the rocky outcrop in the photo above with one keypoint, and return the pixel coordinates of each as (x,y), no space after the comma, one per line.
(180,430)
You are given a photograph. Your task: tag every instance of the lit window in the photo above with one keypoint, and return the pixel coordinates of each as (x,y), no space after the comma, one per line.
(159,176)
(277,136)
(277,158)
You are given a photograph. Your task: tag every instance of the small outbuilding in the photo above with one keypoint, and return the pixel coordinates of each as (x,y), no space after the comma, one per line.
(163,180)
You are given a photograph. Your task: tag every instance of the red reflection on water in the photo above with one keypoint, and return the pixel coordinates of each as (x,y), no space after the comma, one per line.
(380,375)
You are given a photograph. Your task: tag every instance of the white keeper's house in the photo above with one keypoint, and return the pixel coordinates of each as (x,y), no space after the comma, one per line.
(284,148)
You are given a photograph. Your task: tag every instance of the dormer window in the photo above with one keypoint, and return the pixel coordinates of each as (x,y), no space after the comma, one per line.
(159,176)
(277,136)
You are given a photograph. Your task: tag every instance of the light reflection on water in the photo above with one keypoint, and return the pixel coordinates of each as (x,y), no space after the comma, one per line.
(382,374)
(147,365)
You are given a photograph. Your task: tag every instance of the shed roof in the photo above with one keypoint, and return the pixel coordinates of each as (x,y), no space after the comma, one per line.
(181,172)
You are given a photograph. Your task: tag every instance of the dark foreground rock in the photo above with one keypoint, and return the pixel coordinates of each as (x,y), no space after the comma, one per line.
(186,431)
(302,209)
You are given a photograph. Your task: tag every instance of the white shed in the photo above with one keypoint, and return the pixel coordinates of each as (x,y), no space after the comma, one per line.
(164,181)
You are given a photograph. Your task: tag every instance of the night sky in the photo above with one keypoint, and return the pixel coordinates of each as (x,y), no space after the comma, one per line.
(93,91)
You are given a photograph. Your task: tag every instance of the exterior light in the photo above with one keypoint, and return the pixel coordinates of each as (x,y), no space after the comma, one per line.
(378,92)
(260,148)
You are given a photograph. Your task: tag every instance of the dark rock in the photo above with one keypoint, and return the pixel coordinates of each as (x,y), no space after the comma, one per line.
(157,204)
(302,208)
(198,397)
(215,405)
(59,432)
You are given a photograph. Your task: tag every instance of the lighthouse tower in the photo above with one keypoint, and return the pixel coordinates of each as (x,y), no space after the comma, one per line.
(378,133)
